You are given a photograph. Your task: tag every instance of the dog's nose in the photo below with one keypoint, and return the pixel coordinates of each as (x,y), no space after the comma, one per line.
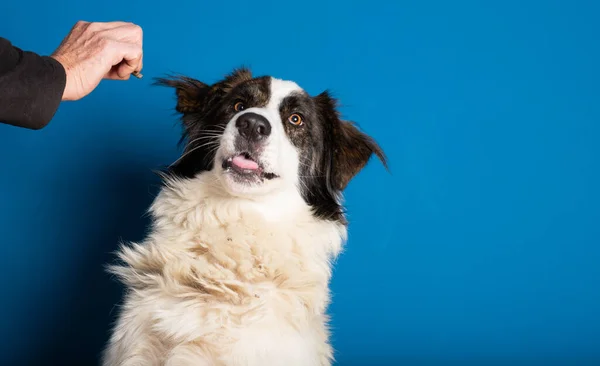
(253,126)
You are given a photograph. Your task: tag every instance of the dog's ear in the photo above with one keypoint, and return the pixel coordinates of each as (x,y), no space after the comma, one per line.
(193,95)
(351,148)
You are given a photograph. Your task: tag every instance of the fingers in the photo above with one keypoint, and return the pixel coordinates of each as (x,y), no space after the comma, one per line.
(119,42)
(129,56)
(126,58)
(116,74)
(99,26)
(126,68)
(96,50)
(127,32)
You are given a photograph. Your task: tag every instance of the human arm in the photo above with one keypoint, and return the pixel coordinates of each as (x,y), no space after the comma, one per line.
(33,86)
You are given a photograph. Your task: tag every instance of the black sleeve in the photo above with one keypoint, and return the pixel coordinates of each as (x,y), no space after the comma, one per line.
(31,87)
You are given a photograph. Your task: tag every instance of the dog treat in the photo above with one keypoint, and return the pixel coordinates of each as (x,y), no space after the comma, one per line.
(137,74)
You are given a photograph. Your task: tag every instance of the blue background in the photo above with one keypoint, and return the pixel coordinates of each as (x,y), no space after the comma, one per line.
(481,246)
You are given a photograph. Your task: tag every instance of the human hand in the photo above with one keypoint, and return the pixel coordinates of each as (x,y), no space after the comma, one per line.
(95,51)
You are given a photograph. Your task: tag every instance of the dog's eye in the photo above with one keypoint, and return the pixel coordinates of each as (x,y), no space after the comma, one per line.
(239,106)
(295,119)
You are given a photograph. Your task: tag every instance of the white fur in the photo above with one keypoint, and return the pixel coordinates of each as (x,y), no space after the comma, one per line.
(229,275)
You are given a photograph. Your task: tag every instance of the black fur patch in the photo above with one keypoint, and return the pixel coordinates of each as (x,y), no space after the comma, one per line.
(331,151)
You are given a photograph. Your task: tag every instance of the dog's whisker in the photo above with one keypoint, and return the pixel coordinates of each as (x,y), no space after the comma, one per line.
(205,137)
(185,154)
(194,140)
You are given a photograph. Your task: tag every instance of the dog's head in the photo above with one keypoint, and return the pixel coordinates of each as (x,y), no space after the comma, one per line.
(262,134)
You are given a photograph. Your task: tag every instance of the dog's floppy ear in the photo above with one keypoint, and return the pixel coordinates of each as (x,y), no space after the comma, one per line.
(351,149)
(193,95)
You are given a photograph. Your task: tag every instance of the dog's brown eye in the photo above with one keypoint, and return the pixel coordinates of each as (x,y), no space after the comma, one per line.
(295,119)
(239,106)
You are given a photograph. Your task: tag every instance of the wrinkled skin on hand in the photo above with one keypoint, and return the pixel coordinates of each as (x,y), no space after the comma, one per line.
(92,52)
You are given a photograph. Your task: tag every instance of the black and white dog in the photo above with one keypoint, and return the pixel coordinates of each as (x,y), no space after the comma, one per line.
(236,268)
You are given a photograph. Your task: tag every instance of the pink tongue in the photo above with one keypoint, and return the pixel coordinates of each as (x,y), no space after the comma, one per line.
(241,162)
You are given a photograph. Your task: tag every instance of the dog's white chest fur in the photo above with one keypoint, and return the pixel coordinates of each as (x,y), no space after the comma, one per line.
(272,340)
(219,282)
(269,346)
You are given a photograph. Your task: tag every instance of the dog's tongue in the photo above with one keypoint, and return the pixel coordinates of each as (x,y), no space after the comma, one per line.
(241,162)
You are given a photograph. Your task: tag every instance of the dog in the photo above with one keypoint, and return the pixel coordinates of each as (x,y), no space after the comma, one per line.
(235,269)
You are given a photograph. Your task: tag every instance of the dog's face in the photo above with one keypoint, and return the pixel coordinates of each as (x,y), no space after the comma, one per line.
(260,135)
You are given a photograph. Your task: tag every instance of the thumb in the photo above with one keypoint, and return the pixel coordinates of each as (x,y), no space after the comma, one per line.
(124,70)
(126,58)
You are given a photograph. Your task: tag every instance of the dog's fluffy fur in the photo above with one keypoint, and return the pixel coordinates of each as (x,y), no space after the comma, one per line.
(236,267)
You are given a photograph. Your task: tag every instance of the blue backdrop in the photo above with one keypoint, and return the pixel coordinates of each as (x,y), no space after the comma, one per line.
(481,247)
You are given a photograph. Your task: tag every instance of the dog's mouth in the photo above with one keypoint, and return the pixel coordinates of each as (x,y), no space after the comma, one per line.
(246,166)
